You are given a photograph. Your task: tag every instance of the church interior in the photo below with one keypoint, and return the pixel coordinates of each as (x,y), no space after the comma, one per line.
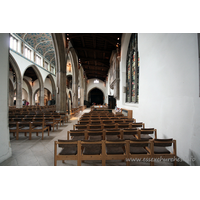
(103,87)
(122,103)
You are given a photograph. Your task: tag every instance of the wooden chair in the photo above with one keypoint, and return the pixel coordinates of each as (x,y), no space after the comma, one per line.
(95,118)
(129,120)
(117,121)
(80,126)
(138,151)
(116,150)
(15,119)
(91,150)
(39,127)
(13,128)
(76,134)
(50,121)
(58,118)
(124,125)
(27,119)
(94,126)
(69,151)
(104,118)
(161,153)
(130,133)
(123,117)
(38,119)
(84,122)
(96,134)
(138,125)
(144,133)
(113,134)
(64,117)
(24,127)
(107,122)
(110,126)
(93,122)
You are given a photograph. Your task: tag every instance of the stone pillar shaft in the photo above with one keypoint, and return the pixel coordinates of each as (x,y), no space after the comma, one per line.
(61,92)
(75,95)
(41,96)
(18,93)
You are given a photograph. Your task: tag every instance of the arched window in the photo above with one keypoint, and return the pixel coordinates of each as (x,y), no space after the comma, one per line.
(132,70)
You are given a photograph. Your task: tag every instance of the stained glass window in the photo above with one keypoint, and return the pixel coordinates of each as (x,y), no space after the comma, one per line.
(132,71)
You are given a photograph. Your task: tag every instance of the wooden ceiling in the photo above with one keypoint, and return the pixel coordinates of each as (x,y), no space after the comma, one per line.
(94,51)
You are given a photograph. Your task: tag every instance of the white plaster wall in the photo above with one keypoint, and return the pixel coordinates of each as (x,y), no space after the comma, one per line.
(25,94)
(5,150)
(47,84)
(25,87)
(99,85)
(169,89)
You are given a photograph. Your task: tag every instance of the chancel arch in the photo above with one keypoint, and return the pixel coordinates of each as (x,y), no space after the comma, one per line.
(96,96)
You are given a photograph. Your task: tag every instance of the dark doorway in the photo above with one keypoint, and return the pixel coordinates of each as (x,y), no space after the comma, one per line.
(96,96)
(111,102)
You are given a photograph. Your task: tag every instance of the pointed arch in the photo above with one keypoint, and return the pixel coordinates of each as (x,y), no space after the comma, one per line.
(88,94)
(75,73)
(29,90)
(19,80)
(53,84)
(41,83)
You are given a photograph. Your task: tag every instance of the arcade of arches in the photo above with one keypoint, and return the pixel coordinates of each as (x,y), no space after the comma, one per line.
(146,73)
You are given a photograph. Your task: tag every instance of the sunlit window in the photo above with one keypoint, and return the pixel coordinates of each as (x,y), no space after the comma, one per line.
(13,43)
(46,65)
(52,69)
(27,52)
(38,60)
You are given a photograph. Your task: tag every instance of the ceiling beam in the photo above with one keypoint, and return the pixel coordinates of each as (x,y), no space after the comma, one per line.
(93,59)
(110,40)
(87,71)
(98,66)
(95,50)
(83,43)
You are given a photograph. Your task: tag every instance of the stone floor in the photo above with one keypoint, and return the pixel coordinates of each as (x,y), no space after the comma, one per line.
(37,152)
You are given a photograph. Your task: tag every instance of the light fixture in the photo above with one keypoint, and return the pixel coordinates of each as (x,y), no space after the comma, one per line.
(96,81)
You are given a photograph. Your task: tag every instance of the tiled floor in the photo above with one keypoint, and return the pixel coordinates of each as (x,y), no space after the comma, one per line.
(37,152)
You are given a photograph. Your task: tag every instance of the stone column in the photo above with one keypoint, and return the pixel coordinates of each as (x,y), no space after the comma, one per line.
(41,96)
(85,89)
(30,97)
(60,72)
(82,96)
(18,93)
(74,95)
(5,147)
(61,91)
